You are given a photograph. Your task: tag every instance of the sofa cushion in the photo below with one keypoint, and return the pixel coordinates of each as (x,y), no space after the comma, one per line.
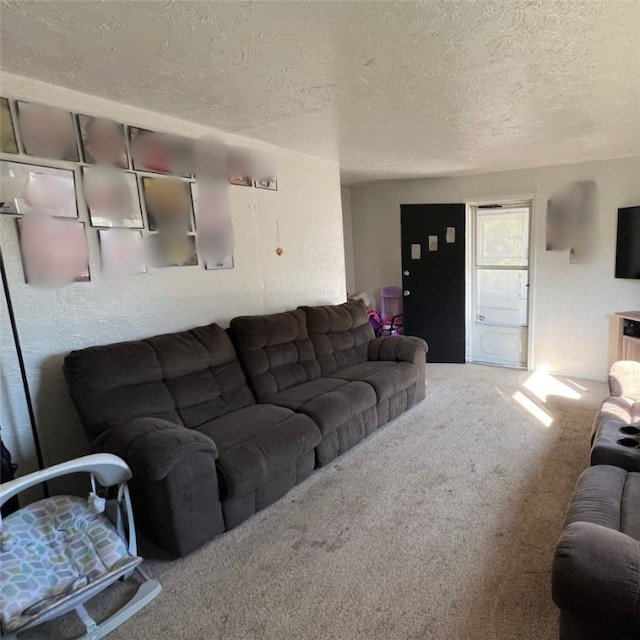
(257,443)
(329,402)
(624,379)
(188,378)
(340,335)
(275,351)
(596,580)
(607,496)
(387,378)
(622,410)
(630,511)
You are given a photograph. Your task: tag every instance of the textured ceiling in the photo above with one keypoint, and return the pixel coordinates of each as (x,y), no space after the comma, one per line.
(388,89)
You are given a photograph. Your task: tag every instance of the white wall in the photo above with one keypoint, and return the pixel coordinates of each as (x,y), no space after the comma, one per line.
(573,328)
(348,241)
(51,323)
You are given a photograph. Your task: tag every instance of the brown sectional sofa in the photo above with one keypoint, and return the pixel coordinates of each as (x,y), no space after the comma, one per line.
(343,341)
(218,425)
(325,363)
(615,437)
(596,567)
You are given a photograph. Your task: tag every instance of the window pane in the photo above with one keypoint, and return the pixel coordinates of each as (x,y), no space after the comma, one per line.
(502,297)
(502,237)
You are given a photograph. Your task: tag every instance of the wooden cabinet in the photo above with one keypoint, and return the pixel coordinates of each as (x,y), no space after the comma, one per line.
(628,346)
(630,349)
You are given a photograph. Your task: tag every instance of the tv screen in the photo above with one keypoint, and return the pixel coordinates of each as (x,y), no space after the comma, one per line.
(628,248)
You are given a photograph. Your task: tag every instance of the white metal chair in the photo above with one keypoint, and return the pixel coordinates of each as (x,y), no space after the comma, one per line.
(57,553)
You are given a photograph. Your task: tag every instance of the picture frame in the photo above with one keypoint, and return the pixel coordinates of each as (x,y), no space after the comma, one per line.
(227,263)
(241,181)
(47,132)
(240,166)
(157,152)
(218,202)
(9,141)
(210,159)
(214,224)
(167,203)
(103,141)
(54,251)
(122,252)
(112,197)
(28,188)
(172,250)
(571,224)
(269,185)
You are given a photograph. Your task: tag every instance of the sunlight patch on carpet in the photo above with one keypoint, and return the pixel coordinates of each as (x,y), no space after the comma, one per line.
(542,385)
(537,412)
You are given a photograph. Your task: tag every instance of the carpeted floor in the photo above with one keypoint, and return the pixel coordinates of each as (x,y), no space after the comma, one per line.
(440,526)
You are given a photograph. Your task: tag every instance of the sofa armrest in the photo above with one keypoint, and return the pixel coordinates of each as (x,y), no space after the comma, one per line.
(624,379)
(596,573)
(152,446)
(174,487)
(398,348)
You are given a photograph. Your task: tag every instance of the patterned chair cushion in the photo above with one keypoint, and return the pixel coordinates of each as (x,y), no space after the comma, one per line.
(49,552)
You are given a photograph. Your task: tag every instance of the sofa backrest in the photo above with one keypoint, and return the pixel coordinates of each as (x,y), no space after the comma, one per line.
(188,378)
(340,334)
(275,351)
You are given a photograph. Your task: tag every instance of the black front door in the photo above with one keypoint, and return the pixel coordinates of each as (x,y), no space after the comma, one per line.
(433,268)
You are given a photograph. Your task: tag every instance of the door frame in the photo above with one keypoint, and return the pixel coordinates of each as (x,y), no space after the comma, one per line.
(505,201)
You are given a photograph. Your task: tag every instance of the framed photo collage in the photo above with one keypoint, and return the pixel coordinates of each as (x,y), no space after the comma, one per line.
(126,174)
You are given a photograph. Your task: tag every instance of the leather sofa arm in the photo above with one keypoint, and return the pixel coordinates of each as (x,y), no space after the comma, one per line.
(398,348)
(624,379)
(151,446)
(596,572)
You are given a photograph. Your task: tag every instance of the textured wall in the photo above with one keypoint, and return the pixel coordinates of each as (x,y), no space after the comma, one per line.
(308,210)
(347,227)
(572,303)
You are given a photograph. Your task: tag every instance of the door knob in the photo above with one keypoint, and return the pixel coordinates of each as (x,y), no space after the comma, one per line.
(407,292)
(406,273)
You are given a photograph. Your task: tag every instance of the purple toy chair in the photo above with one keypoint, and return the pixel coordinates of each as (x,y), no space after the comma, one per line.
(391,310)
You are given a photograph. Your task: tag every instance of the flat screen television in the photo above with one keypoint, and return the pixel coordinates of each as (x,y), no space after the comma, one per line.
(628,247)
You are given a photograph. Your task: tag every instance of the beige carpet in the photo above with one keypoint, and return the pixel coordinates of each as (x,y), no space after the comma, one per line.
(441,526)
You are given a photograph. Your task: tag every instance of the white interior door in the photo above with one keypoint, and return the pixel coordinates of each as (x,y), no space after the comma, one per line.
(501,285)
